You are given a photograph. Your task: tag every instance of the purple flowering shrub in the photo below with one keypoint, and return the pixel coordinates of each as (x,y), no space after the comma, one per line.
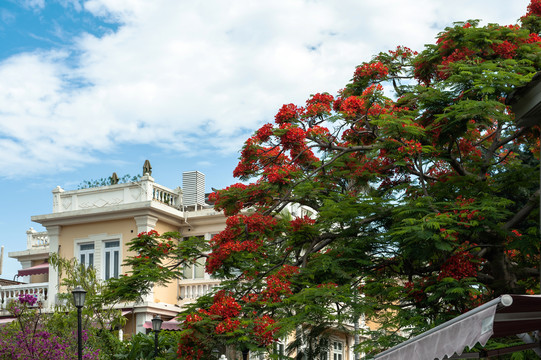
(28,339)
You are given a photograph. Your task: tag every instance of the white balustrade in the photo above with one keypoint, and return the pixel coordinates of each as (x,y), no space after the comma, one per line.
(165,195)
(192,291)
(10,293)
(36,240)
(99,197)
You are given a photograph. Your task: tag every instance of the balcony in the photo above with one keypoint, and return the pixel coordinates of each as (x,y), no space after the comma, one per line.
(105,196)
(10,293)
(190,290)
(36,240)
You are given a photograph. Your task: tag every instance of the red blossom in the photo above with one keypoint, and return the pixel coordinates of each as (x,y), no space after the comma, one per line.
(288,113)
(265,330)
(319,104)
(352,106)
(459,266)
(534,8)
(505,49)
(264,133)
(301,222)
(456,55)
(372,71)
(293,137)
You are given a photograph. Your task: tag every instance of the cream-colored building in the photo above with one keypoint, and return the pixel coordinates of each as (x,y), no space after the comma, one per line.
(94,225)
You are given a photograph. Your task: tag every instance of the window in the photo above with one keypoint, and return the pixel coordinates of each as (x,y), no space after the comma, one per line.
(86,254)
(111,259)
(337,350)
(195,271)
(278,349)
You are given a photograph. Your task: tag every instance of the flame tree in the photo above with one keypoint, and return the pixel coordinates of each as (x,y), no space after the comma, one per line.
(425,203)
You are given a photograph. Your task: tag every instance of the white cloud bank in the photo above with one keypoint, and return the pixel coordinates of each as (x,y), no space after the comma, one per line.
(196,75)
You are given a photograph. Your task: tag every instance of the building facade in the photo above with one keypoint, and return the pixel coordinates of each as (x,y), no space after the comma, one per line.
(94,225)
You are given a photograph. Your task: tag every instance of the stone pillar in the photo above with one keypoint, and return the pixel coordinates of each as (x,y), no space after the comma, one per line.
(54,237)
(146,223)
(147,182)
(140,319)
(57,203)
(29,237)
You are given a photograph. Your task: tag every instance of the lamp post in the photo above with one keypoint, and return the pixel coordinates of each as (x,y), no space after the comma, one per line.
(156,326)
(79,300)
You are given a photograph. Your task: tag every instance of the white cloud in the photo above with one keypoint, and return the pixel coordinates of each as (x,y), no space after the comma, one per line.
(33,4)
(190,76)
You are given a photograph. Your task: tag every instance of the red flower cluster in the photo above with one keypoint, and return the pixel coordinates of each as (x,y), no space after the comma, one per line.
(534,8)
(294,137)
(534,38)
(319,104)
(402,52)
(264,133)
(316,131)
(352,106)
(456,55)
(150,233)
(372,71)
(277,174)
(288,113)
(417,294)
(411,147)
(222,201)
(227,325)
(278,285)
(242,233)
(165,247)
(265,330)
(301,222)
(224,306)
(459,266)
(505,49)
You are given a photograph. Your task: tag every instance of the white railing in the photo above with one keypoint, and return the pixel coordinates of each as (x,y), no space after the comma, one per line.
(11,293)
(36,240)
(191,291)
(100,197)
(165,195)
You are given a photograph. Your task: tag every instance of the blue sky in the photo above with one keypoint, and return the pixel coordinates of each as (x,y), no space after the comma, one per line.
(88,87)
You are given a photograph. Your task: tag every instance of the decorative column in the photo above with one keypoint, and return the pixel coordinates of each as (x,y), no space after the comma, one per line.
(54,237)
(57,202)
(145,223)
(147,184)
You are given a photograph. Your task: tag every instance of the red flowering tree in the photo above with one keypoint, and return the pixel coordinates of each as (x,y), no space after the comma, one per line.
(426,202)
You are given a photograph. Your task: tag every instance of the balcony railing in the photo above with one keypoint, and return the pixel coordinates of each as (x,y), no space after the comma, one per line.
(193,290)
(36,240)
(11,293)
(99,197)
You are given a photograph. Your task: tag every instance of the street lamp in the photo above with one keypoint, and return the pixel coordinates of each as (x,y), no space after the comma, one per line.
(156,326)
(79,300)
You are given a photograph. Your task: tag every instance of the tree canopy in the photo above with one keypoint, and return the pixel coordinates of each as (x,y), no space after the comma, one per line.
(422,198)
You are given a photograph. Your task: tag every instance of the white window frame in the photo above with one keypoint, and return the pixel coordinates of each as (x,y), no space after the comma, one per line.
(99,241)
(115,258)
(89,254)
(188,271)
(337,349)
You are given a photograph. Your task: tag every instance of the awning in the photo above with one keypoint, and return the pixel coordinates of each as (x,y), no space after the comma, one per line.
(166,325)
(34,270)
(504,316)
